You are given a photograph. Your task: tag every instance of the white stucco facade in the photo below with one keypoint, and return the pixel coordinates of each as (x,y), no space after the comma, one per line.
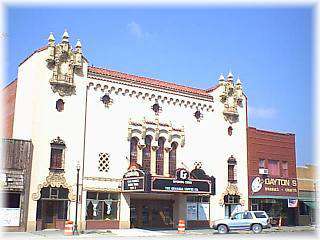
(88,127)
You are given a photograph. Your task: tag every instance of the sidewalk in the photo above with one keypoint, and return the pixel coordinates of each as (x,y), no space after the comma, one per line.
(135,232)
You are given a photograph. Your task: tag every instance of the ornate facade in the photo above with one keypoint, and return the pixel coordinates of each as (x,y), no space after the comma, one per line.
(138,141)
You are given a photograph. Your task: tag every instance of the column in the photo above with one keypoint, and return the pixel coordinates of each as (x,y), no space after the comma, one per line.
(153,160)
(83,210)
(179,208)
(124,210)
(32,213)
(166,162)
(139,154)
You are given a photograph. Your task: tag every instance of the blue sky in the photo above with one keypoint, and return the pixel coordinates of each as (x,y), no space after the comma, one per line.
(270,48)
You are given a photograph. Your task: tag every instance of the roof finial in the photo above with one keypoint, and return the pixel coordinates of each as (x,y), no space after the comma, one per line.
(221,78)
(78,44)
(238,80)
(51,37)
(230,76)
(65,36)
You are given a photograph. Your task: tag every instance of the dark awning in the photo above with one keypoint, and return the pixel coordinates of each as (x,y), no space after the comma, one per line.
(310,204)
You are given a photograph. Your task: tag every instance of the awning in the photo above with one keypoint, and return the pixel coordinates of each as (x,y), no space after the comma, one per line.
(310,204)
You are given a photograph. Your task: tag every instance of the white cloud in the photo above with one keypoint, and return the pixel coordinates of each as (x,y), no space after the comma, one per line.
(262,112)
(135,29)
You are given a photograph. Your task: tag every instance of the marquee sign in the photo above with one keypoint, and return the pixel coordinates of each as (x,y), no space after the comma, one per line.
(273,186)
(181,183)
(133,181)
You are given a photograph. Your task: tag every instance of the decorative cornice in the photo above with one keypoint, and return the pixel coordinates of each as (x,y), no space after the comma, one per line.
(156,129)
(106,74)
(160,96)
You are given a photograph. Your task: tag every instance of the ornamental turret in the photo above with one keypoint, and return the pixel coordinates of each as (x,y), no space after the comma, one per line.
(64,63)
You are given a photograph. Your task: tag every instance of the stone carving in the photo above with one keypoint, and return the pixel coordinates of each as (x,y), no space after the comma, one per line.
(58,141)
(231,97)
(64,62)
(156,129)
(231,189)
(54,179)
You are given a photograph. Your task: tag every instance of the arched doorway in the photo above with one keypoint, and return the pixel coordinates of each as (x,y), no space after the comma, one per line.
(231,202)
(52,207)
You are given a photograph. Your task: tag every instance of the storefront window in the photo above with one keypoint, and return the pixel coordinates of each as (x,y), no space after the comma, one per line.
(198,208)
(273,166)
(10,200)
(102,206)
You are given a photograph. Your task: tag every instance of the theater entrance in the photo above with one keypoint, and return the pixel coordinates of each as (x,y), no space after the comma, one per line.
(147,213)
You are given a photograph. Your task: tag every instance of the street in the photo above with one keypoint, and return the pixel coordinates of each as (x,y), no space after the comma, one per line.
(273,233)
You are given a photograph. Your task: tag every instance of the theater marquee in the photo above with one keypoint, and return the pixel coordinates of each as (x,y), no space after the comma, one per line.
(137,181)
(273,186)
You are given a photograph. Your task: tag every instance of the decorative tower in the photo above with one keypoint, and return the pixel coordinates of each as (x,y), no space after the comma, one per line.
(231,97)
(64,63)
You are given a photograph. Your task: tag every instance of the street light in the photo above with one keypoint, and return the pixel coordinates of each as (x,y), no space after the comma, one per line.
(75,230)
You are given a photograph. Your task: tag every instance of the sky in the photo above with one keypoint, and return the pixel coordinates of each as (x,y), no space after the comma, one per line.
(270,48)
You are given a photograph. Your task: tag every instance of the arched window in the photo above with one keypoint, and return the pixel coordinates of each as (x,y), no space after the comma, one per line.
(231,169)
(173,158)
(133,150)
(146,154)
(159,156)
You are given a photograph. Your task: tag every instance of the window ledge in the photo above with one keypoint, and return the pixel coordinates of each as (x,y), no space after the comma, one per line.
(56,169)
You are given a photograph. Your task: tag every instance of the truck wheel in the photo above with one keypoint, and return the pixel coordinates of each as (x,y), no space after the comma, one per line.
(256,228)
(222,229)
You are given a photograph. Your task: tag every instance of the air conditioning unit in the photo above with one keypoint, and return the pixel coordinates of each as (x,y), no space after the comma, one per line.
(263,171)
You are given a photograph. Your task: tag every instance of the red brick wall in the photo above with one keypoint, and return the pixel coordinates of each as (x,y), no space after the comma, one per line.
(8,98)
(102,224)
(270,145)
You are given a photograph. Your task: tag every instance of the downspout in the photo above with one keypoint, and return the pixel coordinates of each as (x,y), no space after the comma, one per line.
(83,156)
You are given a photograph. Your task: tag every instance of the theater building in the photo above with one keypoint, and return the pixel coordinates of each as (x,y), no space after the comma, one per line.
(273,185)
(149,152)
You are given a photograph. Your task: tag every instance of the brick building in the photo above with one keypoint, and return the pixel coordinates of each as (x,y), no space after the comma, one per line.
(272,174)
(307,194)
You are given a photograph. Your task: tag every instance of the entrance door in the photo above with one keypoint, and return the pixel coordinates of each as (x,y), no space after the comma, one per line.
(51,214)
(151,213)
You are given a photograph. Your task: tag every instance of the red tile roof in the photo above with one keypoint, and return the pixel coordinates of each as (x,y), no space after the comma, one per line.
(148,81)
(142,80)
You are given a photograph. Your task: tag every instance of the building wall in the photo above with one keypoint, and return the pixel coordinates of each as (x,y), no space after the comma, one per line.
(37,119)
(8,97)
(306,177)
(87,126)
(270,145)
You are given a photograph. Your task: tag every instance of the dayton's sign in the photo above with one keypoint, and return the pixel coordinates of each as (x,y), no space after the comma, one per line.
(181,183)
(273,186)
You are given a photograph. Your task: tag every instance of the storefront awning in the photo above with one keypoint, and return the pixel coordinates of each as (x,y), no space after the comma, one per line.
(310,204)
(272,197)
